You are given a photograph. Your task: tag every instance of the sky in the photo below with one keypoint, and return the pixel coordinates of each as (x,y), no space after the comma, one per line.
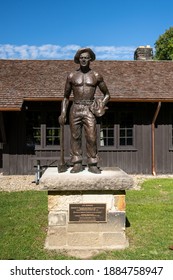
(56,29)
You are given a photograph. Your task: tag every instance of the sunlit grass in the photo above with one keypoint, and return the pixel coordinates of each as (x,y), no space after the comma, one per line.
(23,224)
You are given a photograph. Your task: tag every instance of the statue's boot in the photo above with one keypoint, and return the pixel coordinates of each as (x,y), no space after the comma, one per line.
(94,169)
(77,168)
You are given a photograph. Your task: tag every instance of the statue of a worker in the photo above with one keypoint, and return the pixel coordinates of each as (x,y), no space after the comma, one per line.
(83,83)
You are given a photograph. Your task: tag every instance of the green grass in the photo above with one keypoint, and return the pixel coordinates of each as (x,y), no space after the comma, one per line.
(23,224)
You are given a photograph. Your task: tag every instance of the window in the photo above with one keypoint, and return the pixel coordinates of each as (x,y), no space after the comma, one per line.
(52,136)
(52,132)
(42,129)
(33,129)
(126,129)
(107,137)
(117,130)
(36,135)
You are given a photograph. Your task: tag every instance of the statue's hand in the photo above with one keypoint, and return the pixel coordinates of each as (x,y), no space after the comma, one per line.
(62,119)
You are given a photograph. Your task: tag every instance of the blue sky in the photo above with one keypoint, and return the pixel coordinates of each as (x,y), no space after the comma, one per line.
(55,29)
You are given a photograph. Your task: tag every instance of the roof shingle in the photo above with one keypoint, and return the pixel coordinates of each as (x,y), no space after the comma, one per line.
(45,80)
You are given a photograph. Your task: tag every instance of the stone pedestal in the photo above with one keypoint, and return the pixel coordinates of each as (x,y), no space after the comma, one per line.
(86,211)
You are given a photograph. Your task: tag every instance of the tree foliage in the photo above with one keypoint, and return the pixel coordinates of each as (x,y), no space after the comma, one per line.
(164,46)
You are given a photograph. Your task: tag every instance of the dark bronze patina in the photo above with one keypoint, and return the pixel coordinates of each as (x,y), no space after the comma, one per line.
(83,83)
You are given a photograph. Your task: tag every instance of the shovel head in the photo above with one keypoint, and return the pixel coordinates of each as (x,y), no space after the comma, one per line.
(62,168)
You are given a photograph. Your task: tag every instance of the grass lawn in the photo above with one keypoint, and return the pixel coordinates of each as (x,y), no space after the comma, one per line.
(23,224)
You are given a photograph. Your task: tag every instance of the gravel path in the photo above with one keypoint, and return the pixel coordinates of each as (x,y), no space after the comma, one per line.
(26,182)
(18,183)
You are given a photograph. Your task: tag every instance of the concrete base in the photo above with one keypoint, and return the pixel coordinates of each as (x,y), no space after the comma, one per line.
(84,239)
(109,179)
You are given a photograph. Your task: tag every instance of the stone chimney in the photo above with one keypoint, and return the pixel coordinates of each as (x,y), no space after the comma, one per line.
(143,53)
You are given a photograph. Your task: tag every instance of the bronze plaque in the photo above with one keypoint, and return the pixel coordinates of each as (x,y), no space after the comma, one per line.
(87,212)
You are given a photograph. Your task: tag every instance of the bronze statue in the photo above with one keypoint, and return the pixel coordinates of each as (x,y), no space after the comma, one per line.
(83,83)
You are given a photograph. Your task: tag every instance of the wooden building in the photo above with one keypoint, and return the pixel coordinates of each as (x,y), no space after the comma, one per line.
(136,133)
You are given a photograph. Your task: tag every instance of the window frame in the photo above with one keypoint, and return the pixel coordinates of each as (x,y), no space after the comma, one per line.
(117,146)
(43,145)
(43,127)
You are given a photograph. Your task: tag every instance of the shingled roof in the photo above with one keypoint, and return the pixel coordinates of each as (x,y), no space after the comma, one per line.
(20,80)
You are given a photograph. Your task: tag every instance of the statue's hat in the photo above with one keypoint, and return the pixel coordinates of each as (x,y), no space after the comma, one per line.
(82,50)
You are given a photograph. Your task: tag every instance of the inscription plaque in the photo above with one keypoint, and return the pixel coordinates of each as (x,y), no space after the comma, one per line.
(87,212)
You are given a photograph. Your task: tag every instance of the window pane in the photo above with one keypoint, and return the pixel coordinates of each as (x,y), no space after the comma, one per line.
(33,130)
(122,142)
(110,142)
(52,129)
(129,132)
(110,133)
(37,135)
(52,136)
(126,129)
(103,142)
(122,133)
(107,130)
(129,141)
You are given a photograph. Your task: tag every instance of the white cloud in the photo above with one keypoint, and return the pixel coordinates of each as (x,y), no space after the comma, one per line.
(63,52)
(114,53)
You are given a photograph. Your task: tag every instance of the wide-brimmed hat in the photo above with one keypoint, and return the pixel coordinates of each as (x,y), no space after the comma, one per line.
(82,50)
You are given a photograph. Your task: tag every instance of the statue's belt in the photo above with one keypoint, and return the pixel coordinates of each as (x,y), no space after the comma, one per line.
(96,106)
(83,102)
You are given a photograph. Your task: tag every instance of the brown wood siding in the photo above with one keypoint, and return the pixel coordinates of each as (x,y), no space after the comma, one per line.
(119,159)
(164,148)
(133,161)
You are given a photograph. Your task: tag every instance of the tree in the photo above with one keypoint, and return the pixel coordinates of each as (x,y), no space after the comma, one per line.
(164,46)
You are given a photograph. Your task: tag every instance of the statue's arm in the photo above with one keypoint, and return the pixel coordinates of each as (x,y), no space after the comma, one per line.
(65,101)
(103,88)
